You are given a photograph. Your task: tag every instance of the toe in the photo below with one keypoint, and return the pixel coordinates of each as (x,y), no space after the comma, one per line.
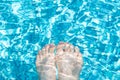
(76,49)
(60,47)
(79,57)
(43,51)
(71,48)
(47,48)
(38,58)
(39,53)
(67,48)
(52,48)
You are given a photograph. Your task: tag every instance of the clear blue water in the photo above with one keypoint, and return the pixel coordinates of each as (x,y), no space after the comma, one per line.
(28,25)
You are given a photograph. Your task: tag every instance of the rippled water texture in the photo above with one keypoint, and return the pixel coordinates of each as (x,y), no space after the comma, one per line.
(28,25)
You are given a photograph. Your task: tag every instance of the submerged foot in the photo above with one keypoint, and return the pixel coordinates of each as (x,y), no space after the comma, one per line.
(69,62)
(45,63)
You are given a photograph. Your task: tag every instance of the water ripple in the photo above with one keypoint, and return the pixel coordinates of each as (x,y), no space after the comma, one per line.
(28,25)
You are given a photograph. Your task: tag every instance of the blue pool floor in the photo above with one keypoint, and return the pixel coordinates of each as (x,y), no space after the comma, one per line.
(26,26)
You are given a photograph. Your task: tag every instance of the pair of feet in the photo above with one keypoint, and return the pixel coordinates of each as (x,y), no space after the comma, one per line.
(67,60)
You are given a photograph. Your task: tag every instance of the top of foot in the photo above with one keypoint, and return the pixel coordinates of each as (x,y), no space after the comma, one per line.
(69,61)
(45,63)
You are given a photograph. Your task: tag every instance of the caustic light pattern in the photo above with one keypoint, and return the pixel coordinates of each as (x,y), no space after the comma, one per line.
(28,25)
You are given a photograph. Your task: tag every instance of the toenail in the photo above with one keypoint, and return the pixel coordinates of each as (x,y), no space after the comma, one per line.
(51,45)
(61,43)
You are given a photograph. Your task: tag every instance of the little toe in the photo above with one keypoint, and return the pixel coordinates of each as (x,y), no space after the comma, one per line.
(38,59)
(71,48)
(39,53)
(79,57)
(43,51)
(76,49)
(61,42)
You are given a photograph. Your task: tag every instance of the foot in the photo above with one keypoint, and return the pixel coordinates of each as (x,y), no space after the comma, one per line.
(45,63)
(69,61)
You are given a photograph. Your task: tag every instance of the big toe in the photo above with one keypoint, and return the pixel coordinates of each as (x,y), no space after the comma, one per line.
(52,48)
(44,50)
(70,48)
(60,47)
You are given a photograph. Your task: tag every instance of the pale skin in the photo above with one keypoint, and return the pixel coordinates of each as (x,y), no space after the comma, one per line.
(67,61)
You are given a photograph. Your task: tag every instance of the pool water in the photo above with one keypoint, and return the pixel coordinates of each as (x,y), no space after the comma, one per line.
(26,26)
